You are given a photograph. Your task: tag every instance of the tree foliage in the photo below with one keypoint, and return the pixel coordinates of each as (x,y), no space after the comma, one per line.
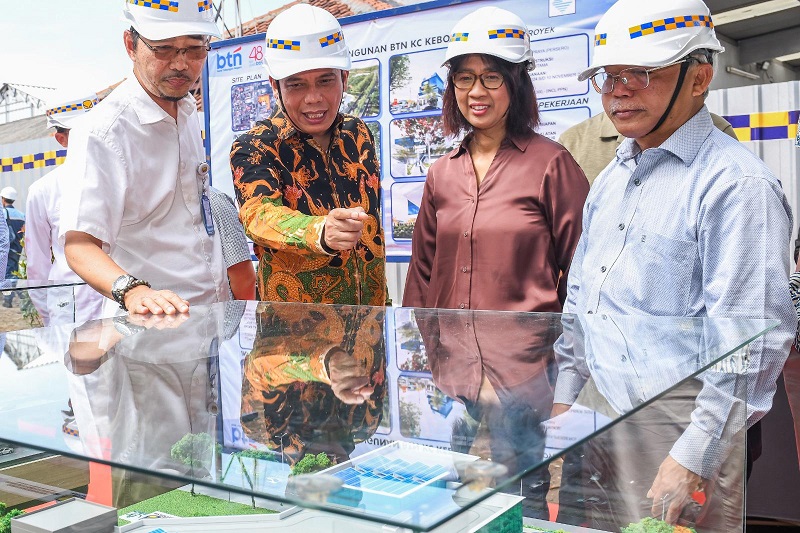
(399,72)
(5,518)
(311,463)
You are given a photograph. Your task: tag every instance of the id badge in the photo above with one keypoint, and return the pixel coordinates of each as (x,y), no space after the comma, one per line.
(205,204)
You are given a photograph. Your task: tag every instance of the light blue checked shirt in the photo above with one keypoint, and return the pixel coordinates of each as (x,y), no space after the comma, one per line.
(696,227)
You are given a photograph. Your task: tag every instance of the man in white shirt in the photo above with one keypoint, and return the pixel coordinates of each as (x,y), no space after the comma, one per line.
(44,254)
(139,215)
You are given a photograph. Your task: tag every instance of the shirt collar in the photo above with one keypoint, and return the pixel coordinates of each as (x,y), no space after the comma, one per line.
(684,143)
(148,111)
(286,129)
(520,143)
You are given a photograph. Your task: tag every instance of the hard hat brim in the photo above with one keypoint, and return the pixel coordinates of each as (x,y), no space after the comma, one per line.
(161,30)
(283,69)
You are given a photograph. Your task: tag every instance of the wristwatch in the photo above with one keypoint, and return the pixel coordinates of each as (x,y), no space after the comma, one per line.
(125,328)
(122,285)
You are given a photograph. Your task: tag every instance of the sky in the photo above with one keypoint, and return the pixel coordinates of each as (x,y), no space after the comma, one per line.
(76,45)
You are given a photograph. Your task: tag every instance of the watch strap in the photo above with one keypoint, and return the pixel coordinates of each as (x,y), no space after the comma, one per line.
(119,295)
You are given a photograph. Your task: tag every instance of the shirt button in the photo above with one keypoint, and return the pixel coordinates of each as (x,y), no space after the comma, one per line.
(466,233)
(602,269)
(637,182)
(472,200)
(589,312)
(621,227)
(623,358)
(464,269)
(183,165)
(461,306)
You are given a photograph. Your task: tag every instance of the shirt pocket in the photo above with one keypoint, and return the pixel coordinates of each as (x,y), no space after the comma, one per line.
(657,274)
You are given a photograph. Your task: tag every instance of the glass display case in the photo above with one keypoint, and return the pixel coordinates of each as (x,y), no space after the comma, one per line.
(32,303)
(303,417)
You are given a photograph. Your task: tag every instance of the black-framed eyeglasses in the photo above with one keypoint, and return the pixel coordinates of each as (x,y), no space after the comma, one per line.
(168,53)
(634,79)
(466,80)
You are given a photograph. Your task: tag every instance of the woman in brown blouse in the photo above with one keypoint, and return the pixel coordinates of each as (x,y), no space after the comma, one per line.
(500,214)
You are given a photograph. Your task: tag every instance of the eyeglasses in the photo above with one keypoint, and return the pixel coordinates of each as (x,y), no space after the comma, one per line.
(634,79)
(466,80)
(168,53)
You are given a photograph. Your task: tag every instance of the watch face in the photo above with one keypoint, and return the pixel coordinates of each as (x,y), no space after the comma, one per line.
(121,282)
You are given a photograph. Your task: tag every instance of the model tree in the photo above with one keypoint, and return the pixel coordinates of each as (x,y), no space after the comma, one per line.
(6,516)
(311,463)
(195,451)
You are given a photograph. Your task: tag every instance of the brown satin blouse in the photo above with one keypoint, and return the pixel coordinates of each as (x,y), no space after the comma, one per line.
(505,245)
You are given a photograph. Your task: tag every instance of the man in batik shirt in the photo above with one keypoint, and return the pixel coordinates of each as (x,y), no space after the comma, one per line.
(308,179)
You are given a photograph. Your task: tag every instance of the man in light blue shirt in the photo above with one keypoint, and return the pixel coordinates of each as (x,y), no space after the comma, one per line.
(685,221)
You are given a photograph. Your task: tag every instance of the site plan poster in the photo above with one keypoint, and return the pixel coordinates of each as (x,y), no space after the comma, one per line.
(396,85)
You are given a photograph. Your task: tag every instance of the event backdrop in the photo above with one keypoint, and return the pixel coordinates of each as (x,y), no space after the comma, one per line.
(396,86)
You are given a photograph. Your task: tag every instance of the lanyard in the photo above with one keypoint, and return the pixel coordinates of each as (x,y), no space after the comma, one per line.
(205,203)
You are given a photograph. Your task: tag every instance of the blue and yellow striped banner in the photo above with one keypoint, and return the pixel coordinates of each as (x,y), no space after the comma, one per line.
(670,23)
(765,126)
(30,161)
(163,5)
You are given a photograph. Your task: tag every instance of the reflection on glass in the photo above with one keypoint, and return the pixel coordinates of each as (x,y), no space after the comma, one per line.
(456,414)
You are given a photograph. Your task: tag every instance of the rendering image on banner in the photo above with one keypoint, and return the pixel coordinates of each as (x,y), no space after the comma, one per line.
(250,102)
(405,201)
(425,411)
(363,92)
(416,82)
(416,143)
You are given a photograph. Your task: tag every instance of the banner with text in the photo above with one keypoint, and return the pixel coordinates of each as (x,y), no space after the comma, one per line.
(396,86)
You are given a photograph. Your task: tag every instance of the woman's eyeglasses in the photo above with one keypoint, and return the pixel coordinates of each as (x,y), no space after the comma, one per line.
(466,80)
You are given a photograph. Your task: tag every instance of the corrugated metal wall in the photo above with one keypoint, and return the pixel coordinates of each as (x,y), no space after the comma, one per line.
(765,106)
(22,179)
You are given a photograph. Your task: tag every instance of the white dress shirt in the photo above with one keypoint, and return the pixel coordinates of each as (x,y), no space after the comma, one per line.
(138,191)
(696,227)
(46,260)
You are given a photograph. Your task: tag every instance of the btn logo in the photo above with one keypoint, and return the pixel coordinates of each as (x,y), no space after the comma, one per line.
(229,61)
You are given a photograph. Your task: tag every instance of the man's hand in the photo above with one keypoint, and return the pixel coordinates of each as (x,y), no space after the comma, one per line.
(142,300)
(672,489)
(163,321)
(343,227)
(349,379)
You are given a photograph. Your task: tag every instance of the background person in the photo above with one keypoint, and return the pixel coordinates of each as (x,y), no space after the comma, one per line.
(685,221)
(308,179)
(241,274)
(139,213)
(16,224)
(44,253)
(500,214)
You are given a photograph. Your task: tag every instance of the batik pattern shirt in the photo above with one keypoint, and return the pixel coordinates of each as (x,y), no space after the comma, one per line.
(286,185)
(288,394)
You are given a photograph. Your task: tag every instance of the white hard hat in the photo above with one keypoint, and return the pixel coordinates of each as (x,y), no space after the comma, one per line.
(651,34)
(304,38)
(9,193)
(165,19)
(492,31)
(63,113)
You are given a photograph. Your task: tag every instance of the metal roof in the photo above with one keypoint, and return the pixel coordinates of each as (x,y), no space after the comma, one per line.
(761,37)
